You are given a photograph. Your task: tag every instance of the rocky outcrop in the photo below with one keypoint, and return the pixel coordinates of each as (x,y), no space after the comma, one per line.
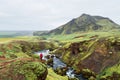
(105,54)
(94,54)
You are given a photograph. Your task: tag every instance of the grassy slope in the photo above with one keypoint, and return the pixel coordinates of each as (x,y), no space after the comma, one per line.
(83,36)
(109,71)
(86,36)
(70,38)
(21,55)
(10,39)
(32,38)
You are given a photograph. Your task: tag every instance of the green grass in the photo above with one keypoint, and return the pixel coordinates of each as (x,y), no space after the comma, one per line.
(21,54)
(67,38)
(10,39)
(83,36)
(32,38)
(108,71)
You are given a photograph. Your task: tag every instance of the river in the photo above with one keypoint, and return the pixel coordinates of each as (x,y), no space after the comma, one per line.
(57,63)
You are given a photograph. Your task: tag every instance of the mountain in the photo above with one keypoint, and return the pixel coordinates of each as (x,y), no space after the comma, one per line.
(85,23)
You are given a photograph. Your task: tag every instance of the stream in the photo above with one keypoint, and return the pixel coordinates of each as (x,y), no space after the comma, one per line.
(57,63)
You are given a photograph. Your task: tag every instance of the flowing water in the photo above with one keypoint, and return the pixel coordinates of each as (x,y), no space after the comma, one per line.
(57,63)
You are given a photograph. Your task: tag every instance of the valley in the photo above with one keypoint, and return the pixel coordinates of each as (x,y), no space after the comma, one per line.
(90,45)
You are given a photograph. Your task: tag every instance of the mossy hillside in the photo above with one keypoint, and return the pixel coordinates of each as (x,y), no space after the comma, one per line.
(14,48)
(15,67)
(78,51)
(109,71)
(77,37)
(84,23)
(8,39)
(81,54)
(25,70)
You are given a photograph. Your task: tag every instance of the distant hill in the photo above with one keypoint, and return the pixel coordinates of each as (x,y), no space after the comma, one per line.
(84,23)
(6,34)
(38,33)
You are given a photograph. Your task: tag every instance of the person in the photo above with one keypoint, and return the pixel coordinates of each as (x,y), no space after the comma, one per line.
(41,56)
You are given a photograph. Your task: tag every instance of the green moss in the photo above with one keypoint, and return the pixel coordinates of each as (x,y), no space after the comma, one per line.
(1,53)
(90,48)
(53,76)
(109,71)
(66,57)
(67,45)
(30,70)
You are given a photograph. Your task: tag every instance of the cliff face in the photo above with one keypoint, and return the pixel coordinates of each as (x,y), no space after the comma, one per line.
(95,54)
(105,54)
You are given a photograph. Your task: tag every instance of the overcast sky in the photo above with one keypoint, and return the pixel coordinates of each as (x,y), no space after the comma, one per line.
(49,14)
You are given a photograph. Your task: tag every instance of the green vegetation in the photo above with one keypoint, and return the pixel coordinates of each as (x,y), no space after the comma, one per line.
(89,44)
(18,61)
(29,70)
(77,37)
(109,71)
(84,23)
(53,76)
(82,47)
(96,54)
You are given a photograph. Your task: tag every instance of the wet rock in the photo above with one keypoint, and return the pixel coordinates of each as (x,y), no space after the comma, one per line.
(52,56)
(50,62)
(48,57)
(61,71)
(86,73)
(77,72)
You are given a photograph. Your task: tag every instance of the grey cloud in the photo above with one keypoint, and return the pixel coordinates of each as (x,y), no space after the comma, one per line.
(49,14)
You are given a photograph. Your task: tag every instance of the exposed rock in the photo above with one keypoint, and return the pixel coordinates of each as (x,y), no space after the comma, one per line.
(93,54)
(61,71)
(50,62)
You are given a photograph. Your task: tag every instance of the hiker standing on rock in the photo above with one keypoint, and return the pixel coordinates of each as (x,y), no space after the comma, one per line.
(41,56)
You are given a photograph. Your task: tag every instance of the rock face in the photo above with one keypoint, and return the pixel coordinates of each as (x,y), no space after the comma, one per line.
(95,55)
(82,24)
(104,55)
